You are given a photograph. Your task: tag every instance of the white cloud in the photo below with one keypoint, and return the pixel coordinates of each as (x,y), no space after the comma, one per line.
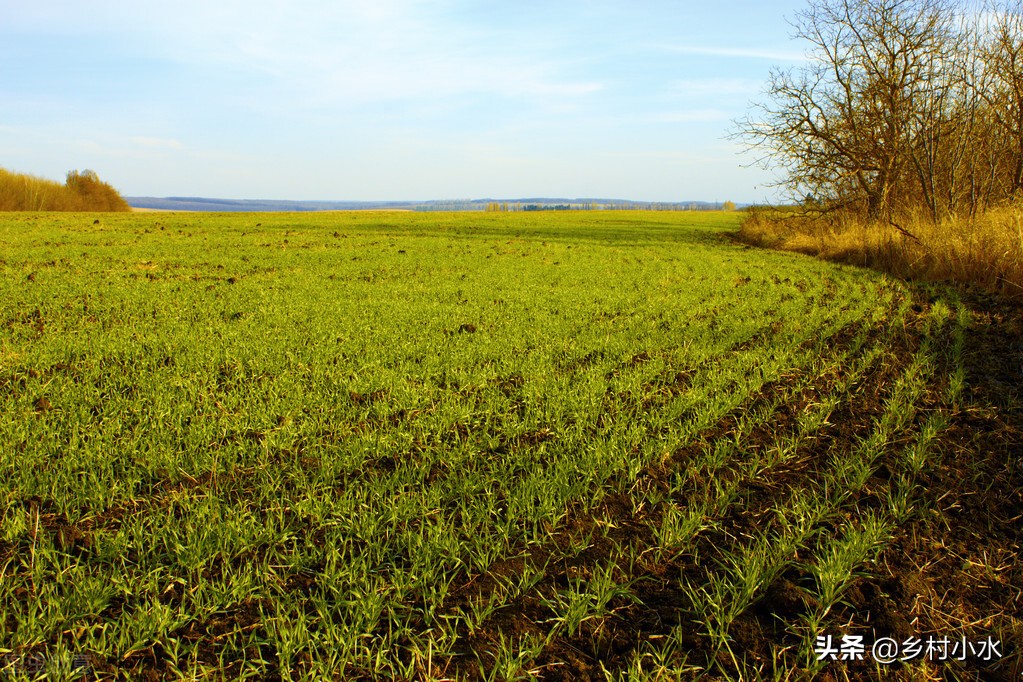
(155,142)
(691,116)
(769,54)
(321,51)
(357,51)
(704,88)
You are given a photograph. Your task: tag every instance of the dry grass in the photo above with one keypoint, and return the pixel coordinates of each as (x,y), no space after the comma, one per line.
(985,251)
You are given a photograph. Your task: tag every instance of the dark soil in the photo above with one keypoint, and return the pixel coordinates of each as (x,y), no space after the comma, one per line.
(953,571)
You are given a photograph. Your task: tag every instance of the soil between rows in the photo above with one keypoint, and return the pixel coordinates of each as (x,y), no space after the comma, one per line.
(955,570)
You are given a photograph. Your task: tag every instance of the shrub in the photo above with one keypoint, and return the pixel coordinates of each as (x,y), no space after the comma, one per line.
(82,191)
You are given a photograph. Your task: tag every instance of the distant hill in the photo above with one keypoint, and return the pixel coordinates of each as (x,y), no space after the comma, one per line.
(525,204)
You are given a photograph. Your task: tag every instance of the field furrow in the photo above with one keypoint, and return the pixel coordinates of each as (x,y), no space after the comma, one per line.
(367,446)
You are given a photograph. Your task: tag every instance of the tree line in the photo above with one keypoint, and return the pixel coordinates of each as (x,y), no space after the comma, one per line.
(902,109)
(81,191)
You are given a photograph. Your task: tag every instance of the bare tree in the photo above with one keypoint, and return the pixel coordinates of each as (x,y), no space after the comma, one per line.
(844,126)
(1002,53)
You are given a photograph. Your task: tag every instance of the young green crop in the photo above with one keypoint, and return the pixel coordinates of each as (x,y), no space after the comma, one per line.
(286,444)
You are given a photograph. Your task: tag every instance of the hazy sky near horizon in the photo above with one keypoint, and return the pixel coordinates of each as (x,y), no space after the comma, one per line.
(391,99)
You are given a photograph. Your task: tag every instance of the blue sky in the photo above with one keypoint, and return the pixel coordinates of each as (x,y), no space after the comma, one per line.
(390,99)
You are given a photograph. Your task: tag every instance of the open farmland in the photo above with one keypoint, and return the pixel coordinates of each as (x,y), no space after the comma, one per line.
(487,446)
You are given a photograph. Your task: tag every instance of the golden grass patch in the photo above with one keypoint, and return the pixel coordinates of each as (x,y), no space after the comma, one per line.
(986,250)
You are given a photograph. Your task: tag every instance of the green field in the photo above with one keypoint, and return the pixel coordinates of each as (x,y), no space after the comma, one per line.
(450,446)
